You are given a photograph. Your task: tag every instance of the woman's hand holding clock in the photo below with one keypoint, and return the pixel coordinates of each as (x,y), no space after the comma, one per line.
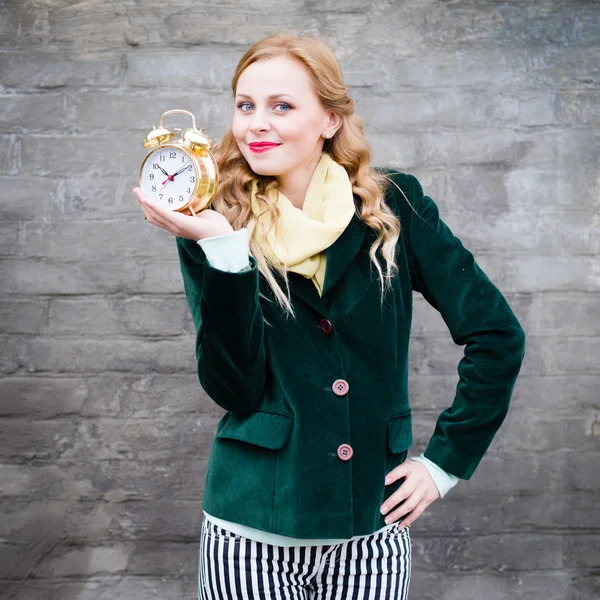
(207,223)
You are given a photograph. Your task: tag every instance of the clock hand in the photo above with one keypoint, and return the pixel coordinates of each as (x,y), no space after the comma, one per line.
(171,177)
(187,164)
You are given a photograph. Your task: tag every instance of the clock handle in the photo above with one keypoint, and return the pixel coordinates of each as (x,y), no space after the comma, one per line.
(178,110)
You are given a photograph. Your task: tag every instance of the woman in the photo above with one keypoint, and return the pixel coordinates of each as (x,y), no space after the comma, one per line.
(300,285)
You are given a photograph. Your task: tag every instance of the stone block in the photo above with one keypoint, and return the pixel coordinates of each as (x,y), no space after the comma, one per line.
(104,588)
(149,394)
(29,198)
(138,112)
(83,355)
(514,552)
(129,276)
(40,112)
(10,147)
(52,70)
(109,156)
(25,440)
(23,316)
(42,397)
(137,316)
(9,238)
(118,238)
(199,67)
(88,561)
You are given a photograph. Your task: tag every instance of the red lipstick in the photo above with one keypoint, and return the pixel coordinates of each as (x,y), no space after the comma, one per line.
(259,147)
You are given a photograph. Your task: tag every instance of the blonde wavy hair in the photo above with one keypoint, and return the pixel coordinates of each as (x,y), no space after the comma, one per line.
(348,147)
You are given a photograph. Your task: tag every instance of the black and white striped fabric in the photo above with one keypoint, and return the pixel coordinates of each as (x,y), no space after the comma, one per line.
(233,567)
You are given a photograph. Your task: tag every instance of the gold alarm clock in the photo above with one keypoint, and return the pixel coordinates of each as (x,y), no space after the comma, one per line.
(180,174)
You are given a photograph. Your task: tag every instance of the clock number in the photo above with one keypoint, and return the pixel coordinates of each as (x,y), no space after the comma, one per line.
(163,158)
(151,176)
(153,188)
(180,198)
(189,190)
(170,200)
(161,196)
(172,154)
(183,158)
(192,179)
(155,165)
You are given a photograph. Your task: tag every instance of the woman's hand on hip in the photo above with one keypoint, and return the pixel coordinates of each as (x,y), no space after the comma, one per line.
(207,223)
(418,491)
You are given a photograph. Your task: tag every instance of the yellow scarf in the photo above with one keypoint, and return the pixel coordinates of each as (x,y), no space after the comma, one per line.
(301,236)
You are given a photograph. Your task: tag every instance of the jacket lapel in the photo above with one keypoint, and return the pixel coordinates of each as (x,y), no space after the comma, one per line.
(305,290)
(341,253)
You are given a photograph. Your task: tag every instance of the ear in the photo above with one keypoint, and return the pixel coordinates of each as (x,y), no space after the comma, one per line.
(333,122)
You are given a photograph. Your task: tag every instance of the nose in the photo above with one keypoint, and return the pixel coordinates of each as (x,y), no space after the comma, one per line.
(259,123)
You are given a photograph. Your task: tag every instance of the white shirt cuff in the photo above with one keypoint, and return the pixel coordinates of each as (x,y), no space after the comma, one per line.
(227,252)
(443,481)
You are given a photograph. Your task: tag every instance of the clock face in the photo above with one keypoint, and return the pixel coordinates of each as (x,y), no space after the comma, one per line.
(168,177)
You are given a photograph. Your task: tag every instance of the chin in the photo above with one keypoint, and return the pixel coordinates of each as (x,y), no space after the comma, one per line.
(264,172)
(262,168)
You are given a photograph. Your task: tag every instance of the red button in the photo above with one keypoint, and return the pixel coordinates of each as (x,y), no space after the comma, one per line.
(340,387)
(326,326)
(345,452)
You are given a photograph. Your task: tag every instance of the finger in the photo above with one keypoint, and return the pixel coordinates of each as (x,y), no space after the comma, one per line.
(400,495)
(406,507)
(145,211)
(151,207)
(141,197)
(156,214)
(145,205)
(146,202)
(397,473)
(413,516)
(138,195)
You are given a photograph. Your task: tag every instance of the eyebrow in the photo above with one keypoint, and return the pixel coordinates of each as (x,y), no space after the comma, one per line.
(271,97)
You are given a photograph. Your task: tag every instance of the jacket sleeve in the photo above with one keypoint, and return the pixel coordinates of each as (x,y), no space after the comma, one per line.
(230,350)
(478,317)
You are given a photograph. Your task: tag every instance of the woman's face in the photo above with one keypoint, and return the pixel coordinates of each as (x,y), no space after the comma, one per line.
(275,103)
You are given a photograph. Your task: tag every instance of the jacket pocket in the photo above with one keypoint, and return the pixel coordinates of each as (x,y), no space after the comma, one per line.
(399,430)
(269,430)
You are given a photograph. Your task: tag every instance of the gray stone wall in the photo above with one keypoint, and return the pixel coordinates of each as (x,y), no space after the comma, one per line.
(105,430)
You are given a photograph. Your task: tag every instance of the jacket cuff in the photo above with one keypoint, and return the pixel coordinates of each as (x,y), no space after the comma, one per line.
(227,252)
(443,480)
(455,459)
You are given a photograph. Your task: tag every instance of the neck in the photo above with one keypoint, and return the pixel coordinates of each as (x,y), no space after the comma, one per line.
(293,185)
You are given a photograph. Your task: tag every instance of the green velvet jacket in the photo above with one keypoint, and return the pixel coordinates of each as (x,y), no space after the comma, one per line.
(274,463)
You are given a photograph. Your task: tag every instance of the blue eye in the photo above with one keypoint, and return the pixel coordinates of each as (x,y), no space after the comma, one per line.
(280,106)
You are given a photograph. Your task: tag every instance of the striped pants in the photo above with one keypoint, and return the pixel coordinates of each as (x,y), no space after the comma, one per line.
(233,567)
